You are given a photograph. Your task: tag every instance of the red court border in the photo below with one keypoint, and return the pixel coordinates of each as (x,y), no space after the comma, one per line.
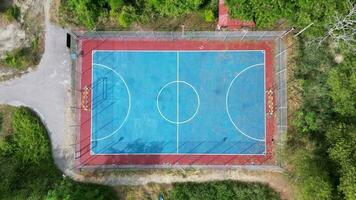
(87,45)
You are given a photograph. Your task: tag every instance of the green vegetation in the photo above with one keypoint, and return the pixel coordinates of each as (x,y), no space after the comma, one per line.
(321,151)
(97,14)
(23,57)
(209,15)
(223,190)
(298,13)
(27,170)
(321,143)
(324,125)
(29,54)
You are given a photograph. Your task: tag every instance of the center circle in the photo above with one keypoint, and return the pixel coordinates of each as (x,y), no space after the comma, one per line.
(178,102)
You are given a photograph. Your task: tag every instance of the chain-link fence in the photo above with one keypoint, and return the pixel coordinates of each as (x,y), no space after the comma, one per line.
(280,60)
(205,35)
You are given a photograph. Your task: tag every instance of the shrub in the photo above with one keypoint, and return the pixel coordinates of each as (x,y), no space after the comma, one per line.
(209,15)
(127,16)
(13,60)
(13,13)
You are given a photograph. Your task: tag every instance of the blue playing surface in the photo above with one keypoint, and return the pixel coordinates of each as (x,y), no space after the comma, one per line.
(186,102)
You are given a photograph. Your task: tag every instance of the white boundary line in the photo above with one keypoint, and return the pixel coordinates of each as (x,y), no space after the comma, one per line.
(177,106)
(196,154)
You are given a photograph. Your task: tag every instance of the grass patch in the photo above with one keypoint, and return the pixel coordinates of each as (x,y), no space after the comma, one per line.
(320,147)
(13,13)
(27,169)
(222,190)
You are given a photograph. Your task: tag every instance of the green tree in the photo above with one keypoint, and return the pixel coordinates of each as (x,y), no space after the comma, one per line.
(86,12)
(264,13)
(222,190)
(342,82)
(342,139)
(34,175)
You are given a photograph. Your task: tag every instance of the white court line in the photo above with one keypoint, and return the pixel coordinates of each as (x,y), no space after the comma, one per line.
(177,118)
(177,51)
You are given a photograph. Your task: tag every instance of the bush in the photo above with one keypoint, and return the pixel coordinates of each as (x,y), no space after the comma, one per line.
(209,15)
(13,13)
(312,175)
(29,137)
(68,189)
(222,190)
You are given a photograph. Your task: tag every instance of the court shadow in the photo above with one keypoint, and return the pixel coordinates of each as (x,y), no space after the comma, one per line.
(139,146)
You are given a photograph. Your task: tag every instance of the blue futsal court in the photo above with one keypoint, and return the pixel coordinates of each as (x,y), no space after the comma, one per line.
(178,102)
